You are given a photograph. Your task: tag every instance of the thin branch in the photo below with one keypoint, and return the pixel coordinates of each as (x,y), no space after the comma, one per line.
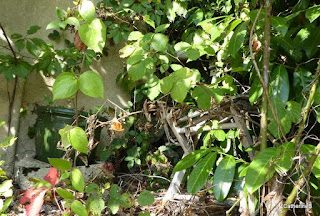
(265,88)
(306,110)
(301,181)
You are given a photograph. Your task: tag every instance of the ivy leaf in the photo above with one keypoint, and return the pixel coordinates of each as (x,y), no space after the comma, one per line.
(237,39)
(279,85)
(90,83)
(78,208)
(60,164)
(313,13)
(33,29)
(145,198)
(200,173)
(261,169)
(159,42)
(93,35)
(78,139)
(65,86)
(65,194)
(190,159)
(280,24)
(87,11)
(77,180)
(223,177)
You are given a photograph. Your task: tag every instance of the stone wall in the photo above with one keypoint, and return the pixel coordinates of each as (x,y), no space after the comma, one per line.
(16,17)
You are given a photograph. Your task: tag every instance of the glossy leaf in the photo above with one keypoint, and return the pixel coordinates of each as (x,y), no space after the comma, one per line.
(93,35)
(190,159)
(77,180)
(78,208)
(279,84)
(60,164)
(237,39)
(87,11)
(223,177)
(313,13)
(78,139)
(261,169)
(280,24)
(201,172)
(90,83)
(65,86)
(293,111)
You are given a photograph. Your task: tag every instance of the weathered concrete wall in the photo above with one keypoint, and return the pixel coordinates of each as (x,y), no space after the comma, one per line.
(16,17)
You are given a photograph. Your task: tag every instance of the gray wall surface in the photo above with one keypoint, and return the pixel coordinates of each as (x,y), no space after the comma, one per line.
(16,17)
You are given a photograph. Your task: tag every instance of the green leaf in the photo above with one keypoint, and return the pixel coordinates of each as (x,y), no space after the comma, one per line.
(134,36)
(193,54)
(201,172)
(279,85)
(77,180)
(33,49)
(59,13)
(190,159)
(223,177)
(87,10)
(310,45)
(65,86)
(149,21)
(261,169)
(95,205)
(182,46)
(202,96)
(78,139)
(78,208)
(65,194)
(20,44)
(293,111)
(56,25)
(159,42)
(114,205)
(180,90)
(93,35)
(126,200)
(313,13)
(145,198)
(16,36)
(237,39)
(33,30)
(73,21)
(64,135)
(90,83)
(285,161)
(219,134)
(166,84)
(8,141)
(60,164)
(144,214)
(162,28)
(6,205)
(280,25)
(137,71)
(126,51)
